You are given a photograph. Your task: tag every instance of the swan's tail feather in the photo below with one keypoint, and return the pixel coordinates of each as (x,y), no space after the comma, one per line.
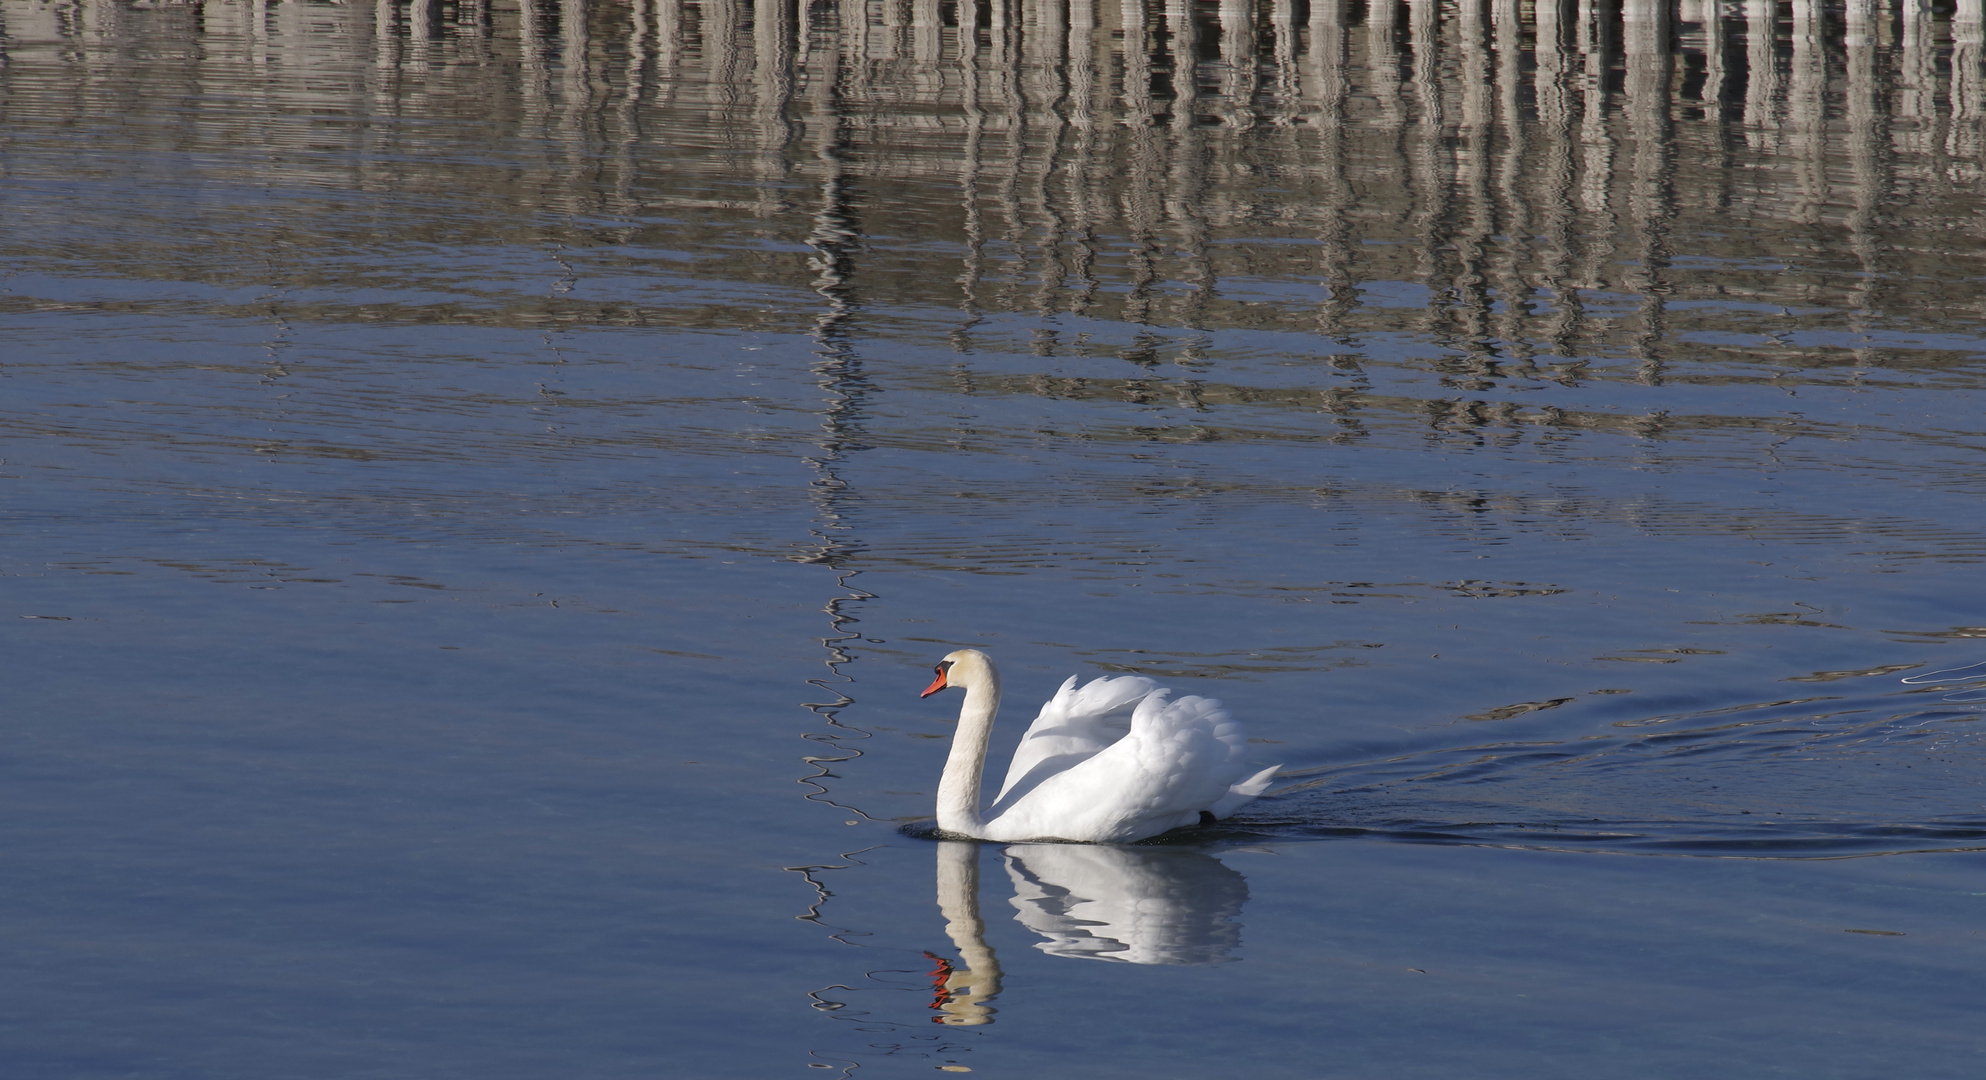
(1244,792)
(1162,717)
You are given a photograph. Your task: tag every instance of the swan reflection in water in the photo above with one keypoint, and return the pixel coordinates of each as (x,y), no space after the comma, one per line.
(1130,905)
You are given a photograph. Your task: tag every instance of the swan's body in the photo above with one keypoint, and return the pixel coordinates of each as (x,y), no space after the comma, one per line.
(1107,763)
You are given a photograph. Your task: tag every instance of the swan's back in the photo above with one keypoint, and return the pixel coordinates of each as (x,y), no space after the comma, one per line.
(1174,760)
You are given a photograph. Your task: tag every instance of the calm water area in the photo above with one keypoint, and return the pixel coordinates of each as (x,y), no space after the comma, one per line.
(483,482)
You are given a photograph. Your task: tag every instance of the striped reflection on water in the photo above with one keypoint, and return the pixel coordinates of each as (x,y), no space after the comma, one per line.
(1133,905)
(1128,904)
(1965,683)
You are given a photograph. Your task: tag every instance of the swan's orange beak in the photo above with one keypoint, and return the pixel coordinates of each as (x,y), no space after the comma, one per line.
(937,684)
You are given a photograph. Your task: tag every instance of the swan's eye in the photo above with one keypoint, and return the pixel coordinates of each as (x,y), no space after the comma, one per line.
(943,666)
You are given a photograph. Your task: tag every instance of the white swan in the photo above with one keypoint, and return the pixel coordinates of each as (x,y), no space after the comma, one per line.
(1109,763)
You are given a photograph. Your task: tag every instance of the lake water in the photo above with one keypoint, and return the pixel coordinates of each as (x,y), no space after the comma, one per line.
(485,485)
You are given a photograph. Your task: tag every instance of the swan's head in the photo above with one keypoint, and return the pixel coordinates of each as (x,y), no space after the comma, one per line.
(964,669)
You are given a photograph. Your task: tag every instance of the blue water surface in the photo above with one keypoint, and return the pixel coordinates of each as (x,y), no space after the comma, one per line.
(485,486)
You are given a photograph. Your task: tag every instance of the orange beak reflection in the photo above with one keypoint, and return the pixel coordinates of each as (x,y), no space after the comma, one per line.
(937,684)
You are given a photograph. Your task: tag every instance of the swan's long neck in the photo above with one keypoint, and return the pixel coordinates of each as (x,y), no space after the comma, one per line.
(958,789)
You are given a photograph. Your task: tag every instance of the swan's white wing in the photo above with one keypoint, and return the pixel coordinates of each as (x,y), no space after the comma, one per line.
(1178,759)
(1073,725)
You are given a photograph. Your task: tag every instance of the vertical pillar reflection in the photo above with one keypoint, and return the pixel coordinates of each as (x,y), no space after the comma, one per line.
(1968,94)
(1141,199)
(774,33)
(1287,95)
(1966,142)
(1185,181)
(668,42)
(722,50)
(575,113)
(420,28)
(1868,137)
(1507,24)
(1917,77)
(1552,89)
(1045,52)
(1476,214)
(1595,38)
(1761,73)
(971,148)
(1010,114)
(1711,19)
(533,85)
(1330,87)
(1806,110)
(834,240)
(1426,179)
(1083,179)
(927,33)
(627,115)
(1382,58)
(1645,37)
(385,39)
(1238,72)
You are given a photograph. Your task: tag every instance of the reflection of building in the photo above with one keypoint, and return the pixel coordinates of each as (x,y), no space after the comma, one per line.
(1204,164)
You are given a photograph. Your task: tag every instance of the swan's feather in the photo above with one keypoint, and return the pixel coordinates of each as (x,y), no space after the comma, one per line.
(1241,793)
(1175,759)
(1072,726)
